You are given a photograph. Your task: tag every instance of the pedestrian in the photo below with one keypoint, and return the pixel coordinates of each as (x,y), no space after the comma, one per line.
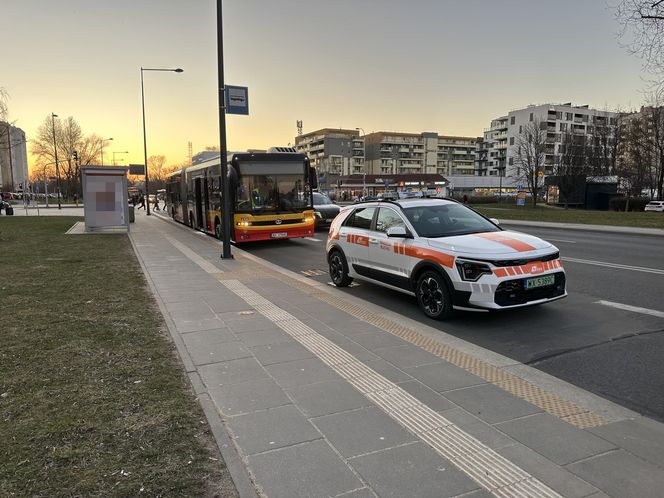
(76,199)
(156,203)
(141,200)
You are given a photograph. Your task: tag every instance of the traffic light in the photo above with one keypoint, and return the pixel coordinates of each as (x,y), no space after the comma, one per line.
(75,156)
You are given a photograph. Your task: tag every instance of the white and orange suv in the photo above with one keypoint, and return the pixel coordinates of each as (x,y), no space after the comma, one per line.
(444,253)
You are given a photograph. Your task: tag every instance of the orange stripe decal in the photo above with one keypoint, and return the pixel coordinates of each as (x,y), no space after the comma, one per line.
(515,244)
(421,253)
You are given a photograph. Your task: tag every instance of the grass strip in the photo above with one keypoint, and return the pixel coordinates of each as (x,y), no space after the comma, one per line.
(93,400)
(509,211)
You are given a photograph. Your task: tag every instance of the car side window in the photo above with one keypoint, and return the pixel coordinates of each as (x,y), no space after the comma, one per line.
(361,218)
(388,218)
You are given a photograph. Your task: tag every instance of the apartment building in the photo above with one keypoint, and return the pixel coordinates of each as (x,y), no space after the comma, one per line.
(13,158)
(335,152)
(419,153)
(496,154)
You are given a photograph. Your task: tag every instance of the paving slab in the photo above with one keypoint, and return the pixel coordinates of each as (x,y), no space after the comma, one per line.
(301,372)
(556,440)
(249,396)
(480,430)
(376,339)
(361,431)
(248,323)
(231,372)
(281,352)
(324,398)
(426,395)
(621,474)
(185,325)
(443,376)
(308,469)
(551,474)
(272,335)
(412,470)
(387,370)
(358,493)
(406,355)
(273,428)
(491,403)
(635,437)
(202,354)
(213,336)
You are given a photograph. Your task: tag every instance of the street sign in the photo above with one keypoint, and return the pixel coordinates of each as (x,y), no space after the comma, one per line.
(136,169)
(237,100)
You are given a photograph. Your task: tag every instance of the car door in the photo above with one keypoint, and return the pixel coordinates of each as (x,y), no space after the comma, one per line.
(354,238)
(390,263)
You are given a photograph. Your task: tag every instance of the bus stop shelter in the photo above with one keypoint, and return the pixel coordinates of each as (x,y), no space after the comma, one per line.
(105,203)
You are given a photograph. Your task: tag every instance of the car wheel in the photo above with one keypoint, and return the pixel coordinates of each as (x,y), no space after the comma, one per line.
(433,296)
(339,269)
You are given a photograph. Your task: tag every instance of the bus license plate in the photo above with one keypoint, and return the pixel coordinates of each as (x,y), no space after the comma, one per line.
(278,235)
(533,283)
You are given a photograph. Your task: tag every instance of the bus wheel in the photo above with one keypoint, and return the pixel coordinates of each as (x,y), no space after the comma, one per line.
(217,229)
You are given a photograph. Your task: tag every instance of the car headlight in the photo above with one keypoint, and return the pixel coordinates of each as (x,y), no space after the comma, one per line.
(471,271)
(318,215)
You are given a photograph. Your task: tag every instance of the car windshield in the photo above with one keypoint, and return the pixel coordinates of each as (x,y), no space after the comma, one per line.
(445,220)
(320,199)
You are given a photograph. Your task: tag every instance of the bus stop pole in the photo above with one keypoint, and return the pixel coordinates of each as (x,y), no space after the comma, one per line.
(226,224)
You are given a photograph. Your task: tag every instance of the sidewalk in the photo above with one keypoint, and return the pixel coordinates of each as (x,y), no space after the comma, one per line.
(312,393)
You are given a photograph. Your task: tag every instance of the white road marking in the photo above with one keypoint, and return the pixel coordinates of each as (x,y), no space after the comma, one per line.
(635,309)
(560,240)
(312,239)
(614,265)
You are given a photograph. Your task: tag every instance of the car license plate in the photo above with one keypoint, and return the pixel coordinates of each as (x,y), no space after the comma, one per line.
(278,235)
(532,283)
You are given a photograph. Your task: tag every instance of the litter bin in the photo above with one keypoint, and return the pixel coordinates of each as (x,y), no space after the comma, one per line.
(9,211)
(131,214)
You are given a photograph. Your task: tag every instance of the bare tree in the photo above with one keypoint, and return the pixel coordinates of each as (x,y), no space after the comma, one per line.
(654,122)
(69,138)
(570,167)
(4,108)
(643,31)
(529,155)
(636,157)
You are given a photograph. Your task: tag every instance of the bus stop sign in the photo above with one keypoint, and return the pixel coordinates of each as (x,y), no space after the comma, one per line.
(237,100)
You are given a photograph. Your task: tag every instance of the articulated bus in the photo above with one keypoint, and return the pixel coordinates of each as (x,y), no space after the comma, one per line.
(271,195)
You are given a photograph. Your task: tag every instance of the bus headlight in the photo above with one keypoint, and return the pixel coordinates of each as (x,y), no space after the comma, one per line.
(243,223)
(308,219)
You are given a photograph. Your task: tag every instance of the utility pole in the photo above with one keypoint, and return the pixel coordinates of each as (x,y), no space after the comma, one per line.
(57,166)
(223,153)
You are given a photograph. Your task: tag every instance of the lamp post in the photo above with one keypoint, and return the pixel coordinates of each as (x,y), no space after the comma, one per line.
(57,167)
(145,141)
(114,153)
(364,166)
(102,148)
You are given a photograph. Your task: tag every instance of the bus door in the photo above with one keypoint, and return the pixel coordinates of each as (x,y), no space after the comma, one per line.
(206,204)
(198,202)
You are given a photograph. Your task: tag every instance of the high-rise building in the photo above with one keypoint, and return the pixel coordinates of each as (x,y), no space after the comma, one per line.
(13,158)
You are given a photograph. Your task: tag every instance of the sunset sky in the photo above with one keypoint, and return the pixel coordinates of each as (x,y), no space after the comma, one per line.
(420,65)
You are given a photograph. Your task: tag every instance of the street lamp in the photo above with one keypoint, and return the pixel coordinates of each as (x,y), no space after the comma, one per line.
(102,148)
(364,166)
(145,141)
(114,153)
(55,150)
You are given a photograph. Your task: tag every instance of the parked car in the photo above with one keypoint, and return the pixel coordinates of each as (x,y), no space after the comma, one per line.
(445,254)
(324,209)
(655,206)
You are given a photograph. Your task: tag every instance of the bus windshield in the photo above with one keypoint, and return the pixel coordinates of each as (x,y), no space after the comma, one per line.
(271,193)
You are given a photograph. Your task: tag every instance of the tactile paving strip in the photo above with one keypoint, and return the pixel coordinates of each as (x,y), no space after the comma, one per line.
(550,403)
(492,471)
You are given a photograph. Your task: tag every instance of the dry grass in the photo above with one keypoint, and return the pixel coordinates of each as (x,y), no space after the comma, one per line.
(93,401)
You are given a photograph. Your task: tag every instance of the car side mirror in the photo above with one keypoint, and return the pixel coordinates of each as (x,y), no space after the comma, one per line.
(494,221)
(399,232)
